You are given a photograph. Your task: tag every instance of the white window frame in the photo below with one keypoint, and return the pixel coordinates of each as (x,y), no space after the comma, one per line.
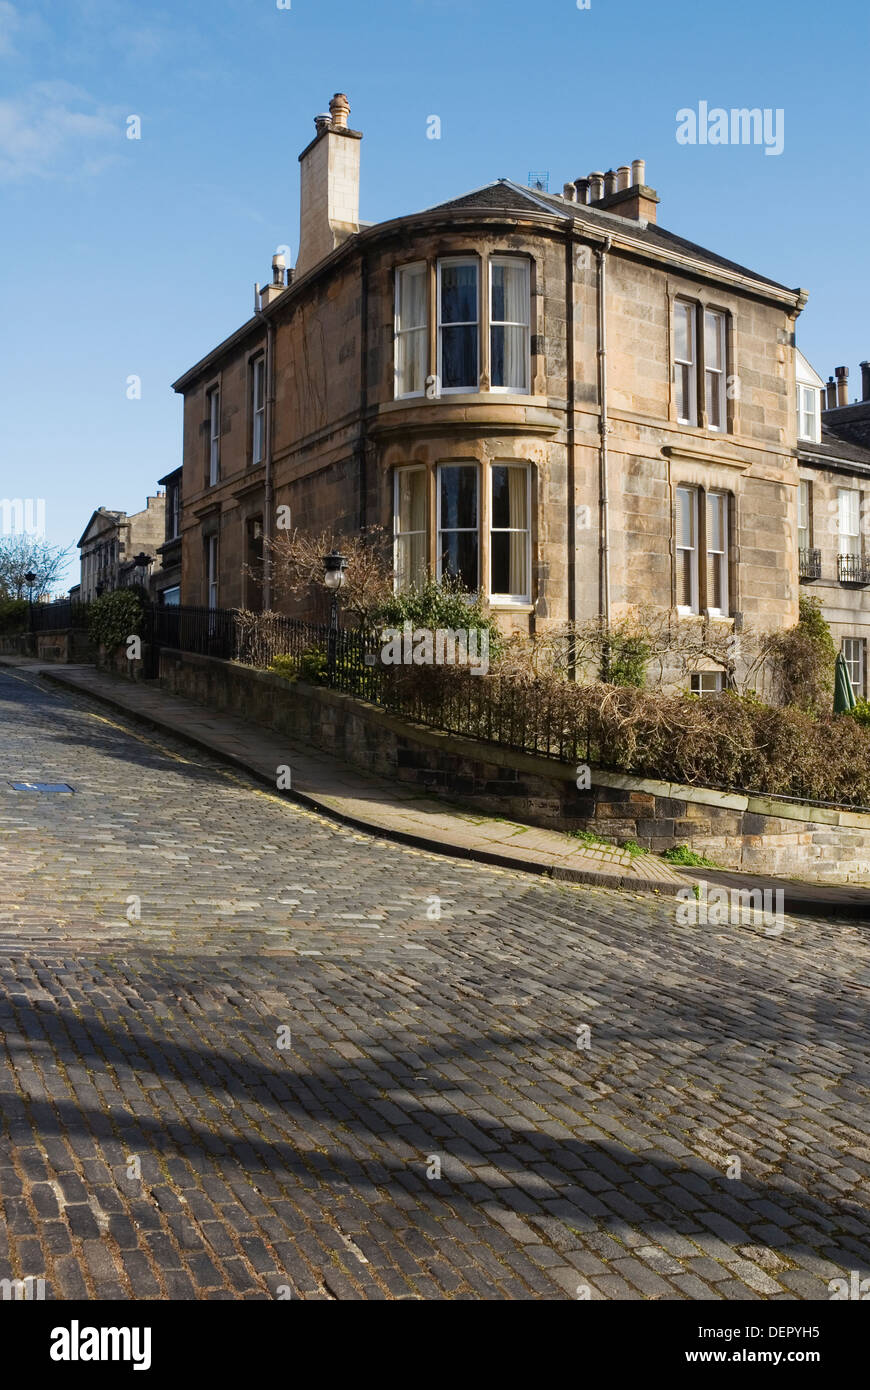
(505,599)
(812,394)
(399,332)
(853,649)
(212,575)
(803,519)
(850,538)
(258,412)
(474,388)
(706,683)
(475,530)
(515,262)
(691,362)
(213,396)
(397,534)
(692,493)
(720,372)
(721,555)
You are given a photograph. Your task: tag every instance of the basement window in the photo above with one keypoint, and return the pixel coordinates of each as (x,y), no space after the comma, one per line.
(706,682)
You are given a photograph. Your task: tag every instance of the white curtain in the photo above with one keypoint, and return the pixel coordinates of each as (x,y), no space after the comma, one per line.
(412,344)
(510,325)
(517,500)
(411,549)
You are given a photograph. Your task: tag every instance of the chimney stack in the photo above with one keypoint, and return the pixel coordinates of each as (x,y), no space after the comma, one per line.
(329,170)
(830,394)
(865,381)
(270,292)
(842,375)
(624,191)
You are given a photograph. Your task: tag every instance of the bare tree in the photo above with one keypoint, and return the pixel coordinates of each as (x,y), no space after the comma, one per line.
(23,554)
(297,568)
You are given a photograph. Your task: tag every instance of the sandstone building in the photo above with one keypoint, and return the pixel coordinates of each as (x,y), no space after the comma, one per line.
(834,507)
(550,396)
(111,540)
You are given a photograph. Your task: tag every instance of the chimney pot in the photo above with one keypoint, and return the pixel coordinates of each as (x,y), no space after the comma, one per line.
(623,177)
(842,375)
(582,187)
(596,186)
(569,192)
(830,394)
(609,182)
(865,381)
(322,122)
(638,171)
(339,110)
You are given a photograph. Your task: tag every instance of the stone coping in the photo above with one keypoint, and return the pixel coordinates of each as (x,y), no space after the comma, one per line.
(500,756)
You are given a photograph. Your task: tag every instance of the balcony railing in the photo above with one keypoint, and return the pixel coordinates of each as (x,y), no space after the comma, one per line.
(810,564)
(853,569)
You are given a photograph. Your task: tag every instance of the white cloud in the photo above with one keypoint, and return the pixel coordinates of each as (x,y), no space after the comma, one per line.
(55,129)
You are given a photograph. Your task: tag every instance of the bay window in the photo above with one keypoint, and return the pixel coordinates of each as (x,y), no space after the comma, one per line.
(509,324)
(509,546)
(412,329)
(458,540)
(458,300)
(410,528)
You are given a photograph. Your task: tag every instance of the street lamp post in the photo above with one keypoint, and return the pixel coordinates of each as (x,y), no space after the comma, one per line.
(334,565)
(30,580)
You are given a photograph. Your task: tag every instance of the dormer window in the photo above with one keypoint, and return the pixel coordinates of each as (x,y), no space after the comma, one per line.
(808,407)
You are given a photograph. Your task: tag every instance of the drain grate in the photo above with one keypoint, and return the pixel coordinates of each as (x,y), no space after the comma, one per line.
(40,786)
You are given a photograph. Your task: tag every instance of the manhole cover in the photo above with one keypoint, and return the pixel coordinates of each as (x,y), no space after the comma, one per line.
(41,787)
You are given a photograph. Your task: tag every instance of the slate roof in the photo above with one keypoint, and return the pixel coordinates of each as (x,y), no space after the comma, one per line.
(837,448)
(505,194)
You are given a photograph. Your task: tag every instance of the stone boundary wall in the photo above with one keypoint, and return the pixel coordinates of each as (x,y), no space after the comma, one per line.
(756,834)
(63,645)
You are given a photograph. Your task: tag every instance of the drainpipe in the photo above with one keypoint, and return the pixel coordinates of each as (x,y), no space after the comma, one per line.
(268,494)
(363,393)
(572,447)
(603,525)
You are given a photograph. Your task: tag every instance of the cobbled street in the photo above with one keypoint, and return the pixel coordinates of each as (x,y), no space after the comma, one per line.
(243,1057)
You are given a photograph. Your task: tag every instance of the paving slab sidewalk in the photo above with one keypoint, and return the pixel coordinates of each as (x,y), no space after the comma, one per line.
(391,809)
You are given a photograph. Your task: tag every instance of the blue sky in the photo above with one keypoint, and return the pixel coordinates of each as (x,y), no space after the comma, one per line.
(134,257)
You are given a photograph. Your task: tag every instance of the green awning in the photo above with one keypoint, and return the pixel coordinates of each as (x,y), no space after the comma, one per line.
(844,695)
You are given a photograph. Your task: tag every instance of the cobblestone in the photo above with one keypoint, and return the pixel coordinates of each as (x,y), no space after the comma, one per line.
(223,1071)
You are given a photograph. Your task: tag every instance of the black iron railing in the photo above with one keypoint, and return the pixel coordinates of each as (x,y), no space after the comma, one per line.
(293,646)
(810,564)
(63,614)
(853,569)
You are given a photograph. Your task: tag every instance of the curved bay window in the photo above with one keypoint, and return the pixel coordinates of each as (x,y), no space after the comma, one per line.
(410,528)
(458,535)
(510,534)
(509,324)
